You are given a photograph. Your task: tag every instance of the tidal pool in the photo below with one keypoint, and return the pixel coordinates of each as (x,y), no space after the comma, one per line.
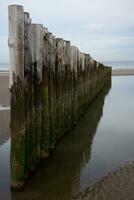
(102,141)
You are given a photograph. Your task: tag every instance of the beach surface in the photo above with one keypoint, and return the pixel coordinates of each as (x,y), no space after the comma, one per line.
(122,71)
(4,89)
(4,108)
(117,185)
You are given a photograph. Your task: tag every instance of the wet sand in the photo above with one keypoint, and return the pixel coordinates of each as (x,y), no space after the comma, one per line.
(4,112)
(117,185)
(4,91)
(122,71)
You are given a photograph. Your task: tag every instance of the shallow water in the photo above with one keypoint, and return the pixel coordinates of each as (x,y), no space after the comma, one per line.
(4,108)
(102,141)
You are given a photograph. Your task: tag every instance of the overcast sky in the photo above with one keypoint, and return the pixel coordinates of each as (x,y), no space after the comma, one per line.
(102,28)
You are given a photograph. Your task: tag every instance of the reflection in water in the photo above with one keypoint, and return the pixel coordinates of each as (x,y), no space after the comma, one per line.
(4,108)
(59,176)
(5,171)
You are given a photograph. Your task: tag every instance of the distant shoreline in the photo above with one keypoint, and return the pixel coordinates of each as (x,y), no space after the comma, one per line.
(4,71)
(115,72)
(122,71)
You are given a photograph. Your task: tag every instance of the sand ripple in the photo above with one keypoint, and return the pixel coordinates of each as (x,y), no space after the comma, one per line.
(117,185)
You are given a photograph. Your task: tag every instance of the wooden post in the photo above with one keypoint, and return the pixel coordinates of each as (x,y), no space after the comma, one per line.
(32,155)
(59,102)
(27,61)
(68,86)
(51,66)
(30,74)
(73,57)
(88,79)
(38,66)
(65,86)
(91,78)
(45,99)
(83,81)
(80,80)
(16,47)
(63,79)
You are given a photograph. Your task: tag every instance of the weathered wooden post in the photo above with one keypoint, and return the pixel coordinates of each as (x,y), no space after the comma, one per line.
(95,78)
(80,78)
(16,46)
(27,60)
(45,98)
(37,31)
(83,81)
(68,86)
(51,78)
(73,57)
(86,79)
(59,86)
(30,75)
(98,77)
(89,80)
(70,81)
(63,61)
(65,85)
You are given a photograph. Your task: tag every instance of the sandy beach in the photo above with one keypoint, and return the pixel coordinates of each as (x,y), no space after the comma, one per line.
(122,71)
(4,112)
(4,91)
(117,185)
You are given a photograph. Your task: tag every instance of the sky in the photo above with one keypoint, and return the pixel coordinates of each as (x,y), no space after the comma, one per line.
(102,28)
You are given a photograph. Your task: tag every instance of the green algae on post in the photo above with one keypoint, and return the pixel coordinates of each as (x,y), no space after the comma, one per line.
(51,84)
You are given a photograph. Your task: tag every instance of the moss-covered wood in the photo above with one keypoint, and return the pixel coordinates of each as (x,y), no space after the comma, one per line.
(52,83)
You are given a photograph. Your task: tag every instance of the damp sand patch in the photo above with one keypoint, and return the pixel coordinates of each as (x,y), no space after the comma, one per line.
(122,71)
(4,91)
(117,185)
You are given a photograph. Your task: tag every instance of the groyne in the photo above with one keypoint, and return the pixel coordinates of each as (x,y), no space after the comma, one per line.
(64,169)
(51,84)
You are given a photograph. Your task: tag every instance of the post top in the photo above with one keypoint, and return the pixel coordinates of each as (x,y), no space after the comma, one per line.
(86,54)
(40,25)
(45,28)
(74,47)
(14,5)
(59,39)
(26,13)
(67,41)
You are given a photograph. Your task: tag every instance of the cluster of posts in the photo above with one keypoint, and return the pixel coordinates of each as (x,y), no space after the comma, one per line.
(51,84)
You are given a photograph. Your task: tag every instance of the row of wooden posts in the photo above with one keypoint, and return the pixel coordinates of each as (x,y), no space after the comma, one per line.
(51,83)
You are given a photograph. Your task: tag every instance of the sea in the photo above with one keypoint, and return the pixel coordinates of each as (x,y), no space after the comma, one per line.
(114,64)
(4,66)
